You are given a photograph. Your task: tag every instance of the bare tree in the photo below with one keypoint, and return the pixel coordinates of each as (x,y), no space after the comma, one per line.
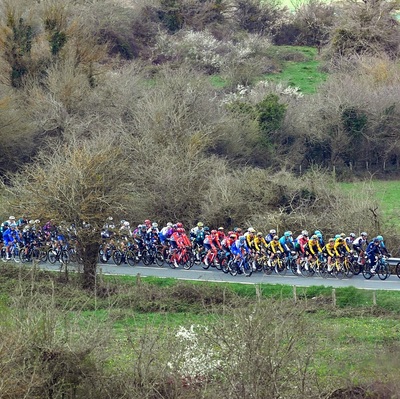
(81,182)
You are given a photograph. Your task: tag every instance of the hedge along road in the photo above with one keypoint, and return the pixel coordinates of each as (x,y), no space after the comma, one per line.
(197,273)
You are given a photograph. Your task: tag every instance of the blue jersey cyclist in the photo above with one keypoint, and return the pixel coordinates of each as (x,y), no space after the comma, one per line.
(239,247)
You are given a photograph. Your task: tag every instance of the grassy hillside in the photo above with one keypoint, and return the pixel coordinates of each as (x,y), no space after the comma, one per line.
(388,195)
(299,67)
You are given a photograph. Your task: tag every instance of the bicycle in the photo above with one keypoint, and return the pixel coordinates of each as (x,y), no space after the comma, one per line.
(241,266)
(152,255)
(59,254)
(382,269)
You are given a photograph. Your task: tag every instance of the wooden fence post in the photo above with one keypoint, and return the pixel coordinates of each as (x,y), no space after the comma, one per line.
(374,298)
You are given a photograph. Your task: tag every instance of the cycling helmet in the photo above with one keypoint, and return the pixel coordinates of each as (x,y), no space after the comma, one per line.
(200,224)
(143,226)
(319,235)
(331,240)
(287,233)
(233,236)
(221,228)
(13,224)
(316,232)
(206,228)
(31,221)
(276,238)
(180,230)
(126,224)
(272,231)
(251,230)
(376,239)
(154,224)
(259,234)
(314,237)
(380,238)
(337,236)
(169,224)
(304,233)
(342,235)
(179,225)
(213,231)
(11,218)
(110,218)
(364,234)
(352,235)
(242,238)
(37,221)
(122,221)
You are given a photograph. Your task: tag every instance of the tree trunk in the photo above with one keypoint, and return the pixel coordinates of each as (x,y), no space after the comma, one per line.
(89,252)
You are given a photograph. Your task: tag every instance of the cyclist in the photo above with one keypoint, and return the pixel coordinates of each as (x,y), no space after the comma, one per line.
(350,239)
(287,242)
(383,248)
(312,249)
(221,233)
(250,237)
(274,249)
(211,242)
(270,236)
(372,251)
(239,248)
(341,247)
(11,236)
(320,238)
(299,244)
(328,251)
(359,245)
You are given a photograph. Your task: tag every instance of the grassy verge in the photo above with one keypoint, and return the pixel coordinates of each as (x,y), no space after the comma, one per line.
(140,317)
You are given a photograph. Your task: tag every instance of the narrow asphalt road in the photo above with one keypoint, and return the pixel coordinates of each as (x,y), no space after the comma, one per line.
(199,274)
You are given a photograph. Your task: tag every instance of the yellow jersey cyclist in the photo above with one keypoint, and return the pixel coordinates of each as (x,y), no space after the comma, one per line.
(274,249)
(329,252)
(312,248)
(341,247)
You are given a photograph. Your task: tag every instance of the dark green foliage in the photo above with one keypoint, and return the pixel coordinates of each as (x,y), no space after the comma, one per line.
(18,48)
(354,121)
(270,115)
(57,41)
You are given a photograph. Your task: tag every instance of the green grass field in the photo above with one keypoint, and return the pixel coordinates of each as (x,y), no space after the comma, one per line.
(387,192)
(300,67)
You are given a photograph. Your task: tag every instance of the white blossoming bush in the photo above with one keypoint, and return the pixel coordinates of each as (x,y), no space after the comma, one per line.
(203,51)
(260,90)
(195,359)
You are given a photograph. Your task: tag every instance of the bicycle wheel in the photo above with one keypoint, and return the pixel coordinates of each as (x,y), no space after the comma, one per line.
(383,271)
(339,271)
(43,255)
(280,267)
(146,258)
(203,265)
(348,269)
(366,272)
(65,257)
(130,258)
(398,270)
(23,257)
(52,256)
(233,268)
(159,259)
(356,268)
(304,268)
(247,268)
(267,268)
(224,265)
(117,257)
